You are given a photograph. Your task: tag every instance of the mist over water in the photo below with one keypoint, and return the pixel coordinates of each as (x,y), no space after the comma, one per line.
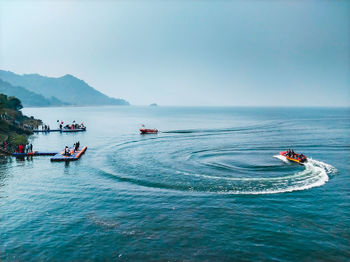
(211,185)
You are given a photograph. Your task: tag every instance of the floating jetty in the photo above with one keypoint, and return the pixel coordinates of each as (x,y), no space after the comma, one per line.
(60,130)
(46,131)
(35,153)
(72,157)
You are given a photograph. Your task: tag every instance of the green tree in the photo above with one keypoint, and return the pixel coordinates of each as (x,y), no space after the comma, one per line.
(3,101)
(14,103)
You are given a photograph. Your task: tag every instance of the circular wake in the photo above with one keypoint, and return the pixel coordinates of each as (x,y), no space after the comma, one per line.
(222,163)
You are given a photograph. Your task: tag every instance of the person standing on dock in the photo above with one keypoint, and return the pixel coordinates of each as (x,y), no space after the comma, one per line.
(76,146)
(66,151)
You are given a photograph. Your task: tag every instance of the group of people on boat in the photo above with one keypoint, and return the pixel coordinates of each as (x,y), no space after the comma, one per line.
(72,126)
(292,154)
(76,146)
(28,148)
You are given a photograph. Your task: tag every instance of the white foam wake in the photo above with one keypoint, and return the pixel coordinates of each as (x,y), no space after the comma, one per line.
(315,174)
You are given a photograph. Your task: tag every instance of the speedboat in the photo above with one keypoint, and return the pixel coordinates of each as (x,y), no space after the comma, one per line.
(291,156)
(148,131)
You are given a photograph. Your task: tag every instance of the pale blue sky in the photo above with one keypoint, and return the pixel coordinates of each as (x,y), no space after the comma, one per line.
(224,53)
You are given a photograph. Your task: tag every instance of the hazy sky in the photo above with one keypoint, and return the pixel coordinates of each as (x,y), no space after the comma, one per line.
(187,52)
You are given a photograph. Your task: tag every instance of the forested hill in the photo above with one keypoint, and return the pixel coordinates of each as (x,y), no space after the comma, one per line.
(68,89)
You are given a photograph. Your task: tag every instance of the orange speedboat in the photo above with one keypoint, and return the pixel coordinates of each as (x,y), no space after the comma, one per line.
(291,156)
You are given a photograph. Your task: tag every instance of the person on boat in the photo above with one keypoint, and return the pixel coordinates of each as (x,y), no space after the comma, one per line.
(31,148)
(288,152)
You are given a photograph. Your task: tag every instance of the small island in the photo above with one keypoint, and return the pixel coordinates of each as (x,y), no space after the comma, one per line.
(154,104)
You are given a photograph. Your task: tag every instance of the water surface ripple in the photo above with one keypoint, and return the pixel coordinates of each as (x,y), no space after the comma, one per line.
(210,186)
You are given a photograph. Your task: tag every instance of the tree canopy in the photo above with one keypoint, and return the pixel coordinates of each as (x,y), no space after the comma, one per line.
(10,102)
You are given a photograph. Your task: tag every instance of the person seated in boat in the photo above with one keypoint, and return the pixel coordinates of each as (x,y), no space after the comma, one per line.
(289,153)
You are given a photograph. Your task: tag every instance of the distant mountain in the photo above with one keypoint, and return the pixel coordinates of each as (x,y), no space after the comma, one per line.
(68,89)
(27,97)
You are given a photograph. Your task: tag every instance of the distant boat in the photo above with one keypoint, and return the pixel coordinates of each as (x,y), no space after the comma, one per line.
(154,104)
(148,131)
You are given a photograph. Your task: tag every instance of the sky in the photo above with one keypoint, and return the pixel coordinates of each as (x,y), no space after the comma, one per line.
(186,53)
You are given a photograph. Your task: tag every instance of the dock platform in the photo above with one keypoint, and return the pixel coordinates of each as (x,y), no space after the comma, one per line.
(72,157)
(35,153)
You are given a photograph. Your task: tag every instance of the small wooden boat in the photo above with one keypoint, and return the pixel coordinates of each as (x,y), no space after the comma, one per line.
(298,158)
(148,131)
(73,155)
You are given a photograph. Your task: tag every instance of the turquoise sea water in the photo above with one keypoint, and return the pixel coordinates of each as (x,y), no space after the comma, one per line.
(209,187)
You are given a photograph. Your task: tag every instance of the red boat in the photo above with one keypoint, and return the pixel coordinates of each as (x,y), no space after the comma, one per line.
(291,156)
(148,131)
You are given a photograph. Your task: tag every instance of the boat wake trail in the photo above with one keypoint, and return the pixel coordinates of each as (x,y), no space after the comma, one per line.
(215,164)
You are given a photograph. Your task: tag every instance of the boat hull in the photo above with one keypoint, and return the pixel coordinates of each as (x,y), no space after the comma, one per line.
(148,131)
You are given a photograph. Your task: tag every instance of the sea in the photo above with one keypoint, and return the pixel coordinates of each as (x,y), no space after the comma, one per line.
(210,186)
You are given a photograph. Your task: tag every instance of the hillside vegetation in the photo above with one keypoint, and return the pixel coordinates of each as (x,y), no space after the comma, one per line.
(14,126)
